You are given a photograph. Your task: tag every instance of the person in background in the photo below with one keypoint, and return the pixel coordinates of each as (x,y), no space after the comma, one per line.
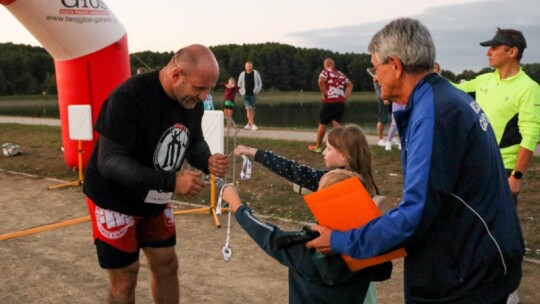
(437,68)
(208,103)
(313,278)
(384,111)
(147,127)
(228,98)
(335,88)
(511,101)
(390,140)
(457,220)
(250,84)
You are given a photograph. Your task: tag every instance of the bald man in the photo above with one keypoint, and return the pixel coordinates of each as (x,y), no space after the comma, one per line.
(147,127)
(335,89)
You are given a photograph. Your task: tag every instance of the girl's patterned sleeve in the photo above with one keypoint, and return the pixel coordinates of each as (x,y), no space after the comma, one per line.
(305,176)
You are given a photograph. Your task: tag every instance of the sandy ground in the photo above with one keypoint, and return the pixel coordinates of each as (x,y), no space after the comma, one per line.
(60,266)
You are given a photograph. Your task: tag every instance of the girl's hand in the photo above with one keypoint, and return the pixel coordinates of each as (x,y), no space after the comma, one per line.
(248,151)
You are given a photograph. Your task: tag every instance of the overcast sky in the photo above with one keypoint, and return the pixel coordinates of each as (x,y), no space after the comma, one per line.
(457,30)
(457,26)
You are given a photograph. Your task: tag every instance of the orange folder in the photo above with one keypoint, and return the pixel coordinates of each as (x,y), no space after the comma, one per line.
(344,206)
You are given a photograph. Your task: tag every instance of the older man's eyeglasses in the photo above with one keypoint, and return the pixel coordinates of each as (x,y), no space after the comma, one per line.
(373,70)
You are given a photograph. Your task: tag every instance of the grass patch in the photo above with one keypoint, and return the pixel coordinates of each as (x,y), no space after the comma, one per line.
(277,97)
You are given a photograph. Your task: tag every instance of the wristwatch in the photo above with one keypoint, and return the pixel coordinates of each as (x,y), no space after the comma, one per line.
(517,174)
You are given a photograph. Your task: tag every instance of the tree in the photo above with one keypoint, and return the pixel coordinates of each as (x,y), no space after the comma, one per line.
(449,75)
(3,83)
(27,69)
(533,70)
(362,81)
(26,84)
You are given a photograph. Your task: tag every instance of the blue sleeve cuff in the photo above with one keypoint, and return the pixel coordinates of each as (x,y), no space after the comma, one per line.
(338,239)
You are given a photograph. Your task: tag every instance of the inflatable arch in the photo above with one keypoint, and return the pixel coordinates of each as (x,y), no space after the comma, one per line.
(89,47)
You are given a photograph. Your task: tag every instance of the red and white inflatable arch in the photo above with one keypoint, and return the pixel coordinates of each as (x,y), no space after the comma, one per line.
(89,47)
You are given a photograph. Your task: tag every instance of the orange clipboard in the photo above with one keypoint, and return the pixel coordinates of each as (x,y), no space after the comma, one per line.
(344,206)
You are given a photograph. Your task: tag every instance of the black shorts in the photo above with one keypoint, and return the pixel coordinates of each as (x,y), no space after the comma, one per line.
(331,111)
(383,112)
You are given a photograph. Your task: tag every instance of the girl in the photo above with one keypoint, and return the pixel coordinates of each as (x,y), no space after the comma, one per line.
(346,148)
(313,278)
(228,99)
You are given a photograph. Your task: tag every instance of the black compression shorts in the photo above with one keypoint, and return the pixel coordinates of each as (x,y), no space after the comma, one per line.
(331,111)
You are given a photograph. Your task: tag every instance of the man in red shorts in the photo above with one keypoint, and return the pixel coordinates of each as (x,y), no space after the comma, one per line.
(148,126)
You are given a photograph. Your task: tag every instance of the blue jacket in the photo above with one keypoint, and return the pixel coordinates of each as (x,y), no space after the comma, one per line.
(313,278)
(457,220)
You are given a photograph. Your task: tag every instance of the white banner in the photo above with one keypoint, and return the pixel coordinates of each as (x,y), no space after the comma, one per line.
(68,29)
(214,130)
(80,122)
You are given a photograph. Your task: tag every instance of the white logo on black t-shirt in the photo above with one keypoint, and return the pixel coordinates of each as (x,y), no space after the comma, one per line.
(171,148)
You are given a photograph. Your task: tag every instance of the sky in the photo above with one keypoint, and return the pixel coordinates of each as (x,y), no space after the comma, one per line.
(457,26)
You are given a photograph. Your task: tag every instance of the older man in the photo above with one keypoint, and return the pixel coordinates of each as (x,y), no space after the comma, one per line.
(457,220)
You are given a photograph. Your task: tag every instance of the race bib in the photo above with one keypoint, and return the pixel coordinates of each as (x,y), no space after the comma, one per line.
(156,197)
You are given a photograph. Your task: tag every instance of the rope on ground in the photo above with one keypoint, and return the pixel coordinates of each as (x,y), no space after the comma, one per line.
(38,229)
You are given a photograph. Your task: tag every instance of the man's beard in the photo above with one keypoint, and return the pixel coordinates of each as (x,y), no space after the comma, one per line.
(188,103)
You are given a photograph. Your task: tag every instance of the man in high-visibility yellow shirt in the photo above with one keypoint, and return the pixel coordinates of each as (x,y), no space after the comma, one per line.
(511,101)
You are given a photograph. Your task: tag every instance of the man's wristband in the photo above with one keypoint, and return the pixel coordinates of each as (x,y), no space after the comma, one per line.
(517,174)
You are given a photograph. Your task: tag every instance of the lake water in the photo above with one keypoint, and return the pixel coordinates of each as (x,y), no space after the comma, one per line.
(304,116)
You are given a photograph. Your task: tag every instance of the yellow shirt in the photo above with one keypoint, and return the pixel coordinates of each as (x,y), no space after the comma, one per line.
(512,106)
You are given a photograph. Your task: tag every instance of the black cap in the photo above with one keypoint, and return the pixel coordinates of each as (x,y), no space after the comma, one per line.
(511,38)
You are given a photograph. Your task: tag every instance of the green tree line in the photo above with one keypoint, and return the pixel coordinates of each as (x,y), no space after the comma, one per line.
(27,70)
(282,67)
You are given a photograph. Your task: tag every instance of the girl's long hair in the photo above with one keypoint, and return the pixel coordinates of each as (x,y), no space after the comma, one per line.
(352,142)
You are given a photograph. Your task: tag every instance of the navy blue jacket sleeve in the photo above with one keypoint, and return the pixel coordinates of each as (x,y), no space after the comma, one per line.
(330,270)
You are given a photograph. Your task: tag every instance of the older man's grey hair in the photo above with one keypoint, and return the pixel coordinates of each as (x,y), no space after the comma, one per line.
(409,40)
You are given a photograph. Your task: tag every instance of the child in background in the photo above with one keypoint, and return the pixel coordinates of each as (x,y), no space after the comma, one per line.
(228,99)
(208,103)
(313,278)
(346,147)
